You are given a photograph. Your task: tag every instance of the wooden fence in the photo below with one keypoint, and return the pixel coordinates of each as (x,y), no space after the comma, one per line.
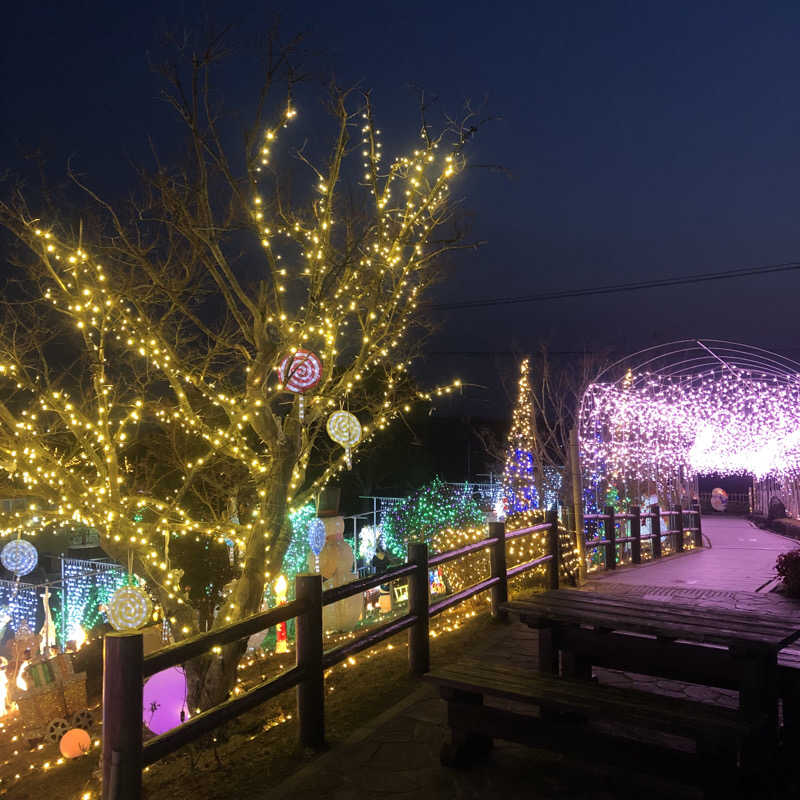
(674,534)
(125,668)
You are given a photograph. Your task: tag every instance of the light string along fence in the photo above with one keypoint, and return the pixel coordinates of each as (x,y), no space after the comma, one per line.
(667,532)
(125,754)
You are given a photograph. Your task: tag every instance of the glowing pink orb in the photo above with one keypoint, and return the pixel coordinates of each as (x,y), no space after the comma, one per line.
(164,700)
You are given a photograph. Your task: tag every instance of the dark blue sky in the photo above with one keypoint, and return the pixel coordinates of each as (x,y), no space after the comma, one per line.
(644,139)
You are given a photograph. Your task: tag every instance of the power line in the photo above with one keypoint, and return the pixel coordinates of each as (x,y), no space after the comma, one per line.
(656,283)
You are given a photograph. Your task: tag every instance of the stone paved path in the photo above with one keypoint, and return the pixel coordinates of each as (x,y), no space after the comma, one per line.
(741,558)
(396,755)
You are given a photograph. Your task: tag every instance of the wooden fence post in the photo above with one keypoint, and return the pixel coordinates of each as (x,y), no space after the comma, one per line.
(419,656)
(698,534)
(655,528)
(122,716)
(611,538)
(554,548)
(679,524)
(308,649)
(497,562)
(636,533)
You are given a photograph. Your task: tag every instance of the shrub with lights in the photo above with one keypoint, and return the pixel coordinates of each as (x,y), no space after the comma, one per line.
(434,508)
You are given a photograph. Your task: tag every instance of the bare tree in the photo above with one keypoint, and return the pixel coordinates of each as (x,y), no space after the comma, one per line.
(555,397)
(167,319)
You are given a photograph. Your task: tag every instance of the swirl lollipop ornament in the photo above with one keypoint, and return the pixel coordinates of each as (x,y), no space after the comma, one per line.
(345,429)
(20,557)
(128,608)
(299,373)
(316,538)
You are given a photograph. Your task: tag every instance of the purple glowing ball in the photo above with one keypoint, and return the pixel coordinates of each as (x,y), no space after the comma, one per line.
(164,700)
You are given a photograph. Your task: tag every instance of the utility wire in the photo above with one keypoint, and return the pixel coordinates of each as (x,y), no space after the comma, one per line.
(635,286)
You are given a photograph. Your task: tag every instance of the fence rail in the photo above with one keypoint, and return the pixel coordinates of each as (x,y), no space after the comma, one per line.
(125,668)
(676,535)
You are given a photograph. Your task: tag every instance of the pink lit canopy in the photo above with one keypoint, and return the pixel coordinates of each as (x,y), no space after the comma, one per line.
(693,407)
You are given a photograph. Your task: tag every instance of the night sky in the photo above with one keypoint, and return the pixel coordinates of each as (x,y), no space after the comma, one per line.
(642,140)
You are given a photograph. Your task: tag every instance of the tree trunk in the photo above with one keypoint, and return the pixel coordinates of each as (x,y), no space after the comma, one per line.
(212,678)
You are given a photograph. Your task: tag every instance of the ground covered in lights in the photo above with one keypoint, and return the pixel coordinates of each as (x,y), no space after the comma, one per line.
(259,748)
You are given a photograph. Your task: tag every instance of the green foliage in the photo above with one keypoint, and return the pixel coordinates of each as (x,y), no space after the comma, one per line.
(428,511)
(296,558)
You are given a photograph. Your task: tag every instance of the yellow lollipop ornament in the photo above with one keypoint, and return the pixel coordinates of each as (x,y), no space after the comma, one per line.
(128,609)
(345,429)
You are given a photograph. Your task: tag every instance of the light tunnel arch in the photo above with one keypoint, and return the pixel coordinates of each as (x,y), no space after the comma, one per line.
(654,420)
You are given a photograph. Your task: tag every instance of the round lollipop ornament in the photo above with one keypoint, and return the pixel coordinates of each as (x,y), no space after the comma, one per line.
(299,373)
(345,429)
(128,608)
(316,538)
(19,556)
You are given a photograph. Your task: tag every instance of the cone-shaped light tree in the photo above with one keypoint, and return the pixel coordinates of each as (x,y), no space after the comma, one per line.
(519,476)
(141,390)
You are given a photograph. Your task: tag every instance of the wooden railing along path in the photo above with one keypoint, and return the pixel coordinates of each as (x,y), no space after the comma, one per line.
(677,520)
(125,668)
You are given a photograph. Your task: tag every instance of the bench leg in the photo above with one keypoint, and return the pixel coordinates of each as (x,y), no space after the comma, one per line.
(574,666)
(465,747)
(791,713)
(719,771)
(548,652)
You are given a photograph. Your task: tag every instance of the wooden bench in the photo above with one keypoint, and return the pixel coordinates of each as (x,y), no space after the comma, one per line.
(789,680)
(566,706)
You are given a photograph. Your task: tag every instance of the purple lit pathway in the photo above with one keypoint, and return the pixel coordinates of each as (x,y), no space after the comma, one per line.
(741,559)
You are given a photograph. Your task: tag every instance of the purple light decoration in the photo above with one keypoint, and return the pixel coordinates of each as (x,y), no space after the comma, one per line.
(164,700)
(726,419)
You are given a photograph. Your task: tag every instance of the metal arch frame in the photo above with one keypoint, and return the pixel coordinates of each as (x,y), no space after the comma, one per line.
(744,356)
(693,359)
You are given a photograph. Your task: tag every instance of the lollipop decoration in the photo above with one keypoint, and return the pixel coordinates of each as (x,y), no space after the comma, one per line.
(345,429)
(19,556)
(299,373)
(316,538)
(128,608)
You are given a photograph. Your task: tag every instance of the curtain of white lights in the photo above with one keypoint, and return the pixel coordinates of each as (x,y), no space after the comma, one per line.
(694,407)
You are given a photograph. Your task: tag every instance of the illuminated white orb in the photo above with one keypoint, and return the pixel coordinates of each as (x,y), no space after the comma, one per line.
(19,556)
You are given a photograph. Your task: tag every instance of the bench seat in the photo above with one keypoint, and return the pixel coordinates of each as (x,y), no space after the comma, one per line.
(566,706)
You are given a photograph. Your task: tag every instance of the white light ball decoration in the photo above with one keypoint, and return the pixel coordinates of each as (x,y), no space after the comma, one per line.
(128,609)
(20,557)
